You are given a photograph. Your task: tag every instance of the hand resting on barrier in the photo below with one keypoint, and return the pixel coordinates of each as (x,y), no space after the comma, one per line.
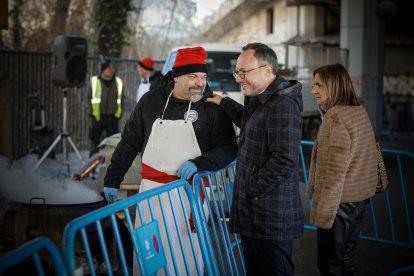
(186,170)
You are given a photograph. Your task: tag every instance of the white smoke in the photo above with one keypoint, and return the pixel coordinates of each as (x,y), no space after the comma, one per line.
(19,184)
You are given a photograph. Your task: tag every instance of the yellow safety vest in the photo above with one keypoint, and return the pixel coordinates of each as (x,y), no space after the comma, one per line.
(97,95)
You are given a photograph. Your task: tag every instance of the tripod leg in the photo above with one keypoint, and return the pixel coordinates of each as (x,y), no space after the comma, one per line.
(52,146)
(76,150)
(65,159)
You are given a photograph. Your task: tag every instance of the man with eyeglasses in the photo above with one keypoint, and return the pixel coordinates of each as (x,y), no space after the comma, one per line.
(267,209)
(179,134)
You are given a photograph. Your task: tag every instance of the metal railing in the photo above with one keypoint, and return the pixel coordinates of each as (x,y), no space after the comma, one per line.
(170,207)
(206,208)
(33,249)
(217,205)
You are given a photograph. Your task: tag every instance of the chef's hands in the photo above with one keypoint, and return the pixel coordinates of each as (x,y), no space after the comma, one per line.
(111,194)
(214,99)
(186,170)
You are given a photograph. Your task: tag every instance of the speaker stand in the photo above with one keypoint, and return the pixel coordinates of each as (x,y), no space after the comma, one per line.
(63,136)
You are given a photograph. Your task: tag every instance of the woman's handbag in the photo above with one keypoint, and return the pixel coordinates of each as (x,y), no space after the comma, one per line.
(382,183)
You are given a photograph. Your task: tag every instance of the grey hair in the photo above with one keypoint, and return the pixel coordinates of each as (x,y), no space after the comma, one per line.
(264,54)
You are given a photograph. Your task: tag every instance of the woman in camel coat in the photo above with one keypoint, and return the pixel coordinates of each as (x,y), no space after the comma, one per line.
(343,172)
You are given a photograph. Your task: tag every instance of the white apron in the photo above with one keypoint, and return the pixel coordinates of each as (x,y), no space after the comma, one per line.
(171,143)
(142,89)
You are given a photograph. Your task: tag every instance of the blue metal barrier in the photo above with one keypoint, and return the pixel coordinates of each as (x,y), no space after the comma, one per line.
(171,200)
(33,249)
(218,194)
(221,251)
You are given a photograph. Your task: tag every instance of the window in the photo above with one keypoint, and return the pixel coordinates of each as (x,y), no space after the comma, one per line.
(221,66)
(269,19)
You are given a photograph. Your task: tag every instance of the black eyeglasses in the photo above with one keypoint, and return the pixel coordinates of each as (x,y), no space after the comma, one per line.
(242,73)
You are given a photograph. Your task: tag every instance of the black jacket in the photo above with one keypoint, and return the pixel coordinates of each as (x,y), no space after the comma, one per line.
(213,129)
(266,202)
(155,80)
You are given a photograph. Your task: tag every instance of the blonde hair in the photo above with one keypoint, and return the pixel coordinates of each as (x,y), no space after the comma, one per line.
(340,90)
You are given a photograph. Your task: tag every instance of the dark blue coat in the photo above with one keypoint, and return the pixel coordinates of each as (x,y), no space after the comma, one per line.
(266,202)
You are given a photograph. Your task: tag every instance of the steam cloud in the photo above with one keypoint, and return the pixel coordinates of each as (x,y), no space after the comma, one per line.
(18,184)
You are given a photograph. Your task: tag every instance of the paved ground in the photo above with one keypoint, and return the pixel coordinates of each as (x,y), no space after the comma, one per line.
(372,258)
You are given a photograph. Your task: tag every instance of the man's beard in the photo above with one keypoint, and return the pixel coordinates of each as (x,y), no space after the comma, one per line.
(196,97)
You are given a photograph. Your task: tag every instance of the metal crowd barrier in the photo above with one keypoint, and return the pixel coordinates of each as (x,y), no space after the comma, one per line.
(31,250)
(390,219)
(225,247)
(163,243)
(183,230)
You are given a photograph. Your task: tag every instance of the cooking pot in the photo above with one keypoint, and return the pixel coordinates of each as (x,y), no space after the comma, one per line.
(39,219)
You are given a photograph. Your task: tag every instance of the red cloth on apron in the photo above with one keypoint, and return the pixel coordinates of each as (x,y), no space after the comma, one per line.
(152,174)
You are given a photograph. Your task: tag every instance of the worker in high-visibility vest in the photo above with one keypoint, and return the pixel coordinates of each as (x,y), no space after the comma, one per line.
(106,100)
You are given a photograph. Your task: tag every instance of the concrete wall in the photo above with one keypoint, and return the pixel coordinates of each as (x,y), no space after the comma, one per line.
(311,20)
(253,28)
(308,20)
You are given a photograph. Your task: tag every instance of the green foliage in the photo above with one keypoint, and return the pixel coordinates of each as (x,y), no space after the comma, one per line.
(113,13)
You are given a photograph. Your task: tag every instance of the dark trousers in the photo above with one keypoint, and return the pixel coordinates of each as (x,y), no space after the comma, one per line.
(107,123)
(264,257)
(337,246)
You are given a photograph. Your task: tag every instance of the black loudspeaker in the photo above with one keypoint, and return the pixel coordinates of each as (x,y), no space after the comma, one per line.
(69,61)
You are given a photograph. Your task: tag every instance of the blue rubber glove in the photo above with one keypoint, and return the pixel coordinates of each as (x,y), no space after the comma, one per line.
(186,170)
(111,194)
